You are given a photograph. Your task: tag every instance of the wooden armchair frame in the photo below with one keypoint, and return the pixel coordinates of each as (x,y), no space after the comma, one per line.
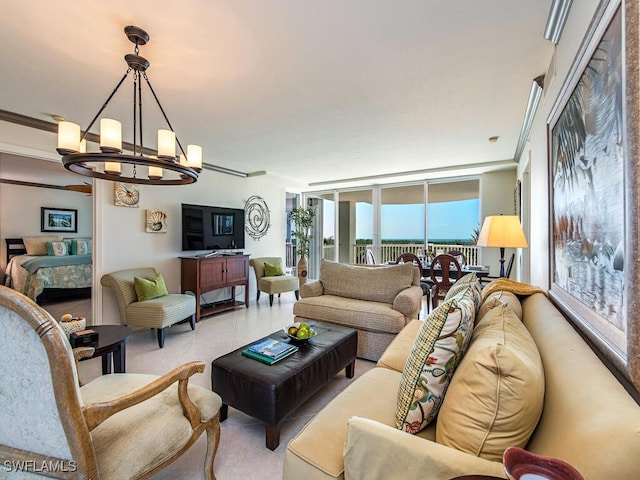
(78,420)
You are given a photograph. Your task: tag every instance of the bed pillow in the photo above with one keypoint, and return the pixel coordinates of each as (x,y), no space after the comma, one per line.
(38,245)
(58,248)
(496,396)
(271,270)
(436,352)
(149,288)
(80,246)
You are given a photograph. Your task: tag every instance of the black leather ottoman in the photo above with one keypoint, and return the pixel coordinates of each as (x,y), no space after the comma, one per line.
(271,392)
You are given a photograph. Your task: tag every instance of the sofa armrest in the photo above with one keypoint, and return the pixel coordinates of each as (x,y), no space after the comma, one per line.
(311,289)
(376,451)
(409,301)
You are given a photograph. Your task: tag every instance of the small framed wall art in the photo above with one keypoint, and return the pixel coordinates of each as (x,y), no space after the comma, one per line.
(126,195)
(156,221)
(58,220)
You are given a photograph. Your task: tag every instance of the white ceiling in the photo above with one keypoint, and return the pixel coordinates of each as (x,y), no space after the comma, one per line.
(309,91)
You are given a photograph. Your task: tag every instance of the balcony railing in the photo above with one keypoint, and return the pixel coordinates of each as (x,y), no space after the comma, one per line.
(389,252)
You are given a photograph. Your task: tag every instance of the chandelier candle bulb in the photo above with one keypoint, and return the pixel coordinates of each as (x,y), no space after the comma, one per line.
(83,146)
(112,167)
(194,157)
(155,173)
(166,144)
(68,137)
(110,135)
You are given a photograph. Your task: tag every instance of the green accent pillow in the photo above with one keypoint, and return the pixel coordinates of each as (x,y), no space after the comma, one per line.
(273,270)
(148,288)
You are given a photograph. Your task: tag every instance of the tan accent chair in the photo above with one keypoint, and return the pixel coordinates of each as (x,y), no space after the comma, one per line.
(116,426)
(158,313)
(273,285)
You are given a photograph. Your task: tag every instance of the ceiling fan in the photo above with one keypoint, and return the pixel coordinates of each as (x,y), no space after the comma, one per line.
(86,188)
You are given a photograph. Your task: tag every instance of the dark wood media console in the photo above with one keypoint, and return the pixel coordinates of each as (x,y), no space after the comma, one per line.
(203,274)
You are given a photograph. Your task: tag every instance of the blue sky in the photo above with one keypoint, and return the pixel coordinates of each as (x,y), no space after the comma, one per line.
(447,220)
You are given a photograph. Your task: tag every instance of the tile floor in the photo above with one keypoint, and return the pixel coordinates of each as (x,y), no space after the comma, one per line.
(242,453)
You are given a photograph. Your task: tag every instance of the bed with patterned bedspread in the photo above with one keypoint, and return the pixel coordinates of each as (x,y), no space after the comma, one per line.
(34,274)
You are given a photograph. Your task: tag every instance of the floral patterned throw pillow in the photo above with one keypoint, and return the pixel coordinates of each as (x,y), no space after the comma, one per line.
(470,280)
(436,352)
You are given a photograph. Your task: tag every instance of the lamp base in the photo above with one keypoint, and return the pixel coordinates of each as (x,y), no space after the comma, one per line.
(501,261)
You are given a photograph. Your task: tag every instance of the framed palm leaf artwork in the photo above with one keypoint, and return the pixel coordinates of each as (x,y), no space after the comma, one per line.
(593,175)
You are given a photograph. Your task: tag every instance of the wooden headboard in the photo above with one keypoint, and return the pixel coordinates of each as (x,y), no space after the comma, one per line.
(15,247)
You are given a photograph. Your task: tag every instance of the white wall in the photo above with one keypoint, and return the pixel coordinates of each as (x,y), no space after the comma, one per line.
(496,197)
(122,242)
(577,25)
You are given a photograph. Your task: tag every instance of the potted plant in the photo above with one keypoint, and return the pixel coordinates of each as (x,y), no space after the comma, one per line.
(303,221)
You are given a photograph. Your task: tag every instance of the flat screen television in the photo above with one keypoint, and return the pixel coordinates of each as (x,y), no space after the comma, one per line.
(212,228)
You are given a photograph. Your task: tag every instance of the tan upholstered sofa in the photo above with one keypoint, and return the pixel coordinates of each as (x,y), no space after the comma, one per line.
(378,301)
(588,419)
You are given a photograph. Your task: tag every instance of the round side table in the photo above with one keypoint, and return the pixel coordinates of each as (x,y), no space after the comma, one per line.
(111,346)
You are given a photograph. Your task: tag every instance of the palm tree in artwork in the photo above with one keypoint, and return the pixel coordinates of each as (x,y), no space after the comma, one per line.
(593,113)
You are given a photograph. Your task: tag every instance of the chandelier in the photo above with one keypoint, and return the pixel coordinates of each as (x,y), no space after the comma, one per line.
(107,164)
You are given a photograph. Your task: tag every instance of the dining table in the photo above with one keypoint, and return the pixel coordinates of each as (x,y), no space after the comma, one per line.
(479,270)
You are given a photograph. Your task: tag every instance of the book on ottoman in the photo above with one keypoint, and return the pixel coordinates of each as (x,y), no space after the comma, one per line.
(269,350)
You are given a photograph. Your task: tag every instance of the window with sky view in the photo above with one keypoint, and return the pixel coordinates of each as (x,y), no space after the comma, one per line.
(448,221)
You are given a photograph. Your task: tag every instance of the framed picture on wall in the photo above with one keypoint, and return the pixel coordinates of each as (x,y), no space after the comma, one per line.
(594,186)
(58,220)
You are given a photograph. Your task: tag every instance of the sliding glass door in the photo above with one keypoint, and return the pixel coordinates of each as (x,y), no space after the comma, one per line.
(402,221)
(425,217)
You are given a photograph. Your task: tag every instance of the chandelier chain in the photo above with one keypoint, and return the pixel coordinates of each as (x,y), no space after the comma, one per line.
(84,134)
(153,92)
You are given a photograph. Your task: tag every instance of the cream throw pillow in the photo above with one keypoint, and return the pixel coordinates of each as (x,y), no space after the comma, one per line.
(498,298)
(496,396)
(38,245)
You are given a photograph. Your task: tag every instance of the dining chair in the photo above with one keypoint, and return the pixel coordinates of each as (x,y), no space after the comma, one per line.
(126,425)
(369,258)
(445,270)
(461,257)
(425,283)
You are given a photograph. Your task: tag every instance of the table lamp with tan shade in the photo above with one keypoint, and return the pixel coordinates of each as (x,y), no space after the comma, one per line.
(503,231)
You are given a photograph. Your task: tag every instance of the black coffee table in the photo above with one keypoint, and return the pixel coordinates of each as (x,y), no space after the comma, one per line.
(112,341)
(271,392)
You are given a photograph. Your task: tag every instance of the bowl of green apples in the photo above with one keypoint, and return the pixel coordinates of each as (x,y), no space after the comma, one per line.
(299,332)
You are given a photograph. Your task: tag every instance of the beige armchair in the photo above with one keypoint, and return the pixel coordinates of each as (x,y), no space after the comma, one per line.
(274,284)
(114,427)
(158,313)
